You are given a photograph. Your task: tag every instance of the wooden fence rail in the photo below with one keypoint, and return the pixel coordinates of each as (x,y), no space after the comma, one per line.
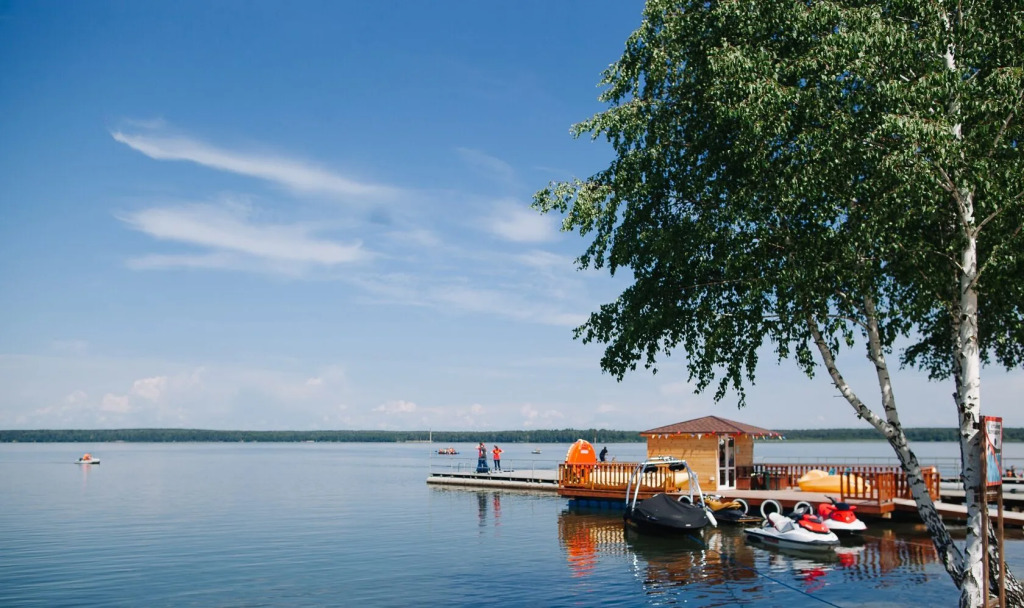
(881,483)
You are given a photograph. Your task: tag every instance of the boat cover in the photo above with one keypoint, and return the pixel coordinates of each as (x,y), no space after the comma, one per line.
(667,512)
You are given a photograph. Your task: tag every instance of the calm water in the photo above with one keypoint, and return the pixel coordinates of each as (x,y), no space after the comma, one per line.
(356,524)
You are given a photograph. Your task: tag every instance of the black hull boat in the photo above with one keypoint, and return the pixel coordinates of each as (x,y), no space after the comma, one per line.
(665,513)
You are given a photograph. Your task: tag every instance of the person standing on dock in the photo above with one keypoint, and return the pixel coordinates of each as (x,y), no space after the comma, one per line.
(496,453)
(603,454)
(481,459)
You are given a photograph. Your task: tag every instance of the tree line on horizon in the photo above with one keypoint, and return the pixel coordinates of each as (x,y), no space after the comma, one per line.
(445,437)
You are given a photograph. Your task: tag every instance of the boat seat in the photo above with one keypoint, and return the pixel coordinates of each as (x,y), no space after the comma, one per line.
(781,522)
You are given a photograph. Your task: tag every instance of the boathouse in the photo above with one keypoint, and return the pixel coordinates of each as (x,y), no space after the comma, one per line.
(714,447)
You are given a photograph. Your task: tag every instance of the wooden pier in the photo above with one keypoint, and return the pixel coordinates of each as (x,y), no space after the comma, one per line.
(543,480)
(885,494)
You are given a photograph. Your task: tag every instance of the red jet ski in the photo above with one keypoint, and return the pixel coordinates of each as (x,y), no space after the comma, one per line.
(840,517)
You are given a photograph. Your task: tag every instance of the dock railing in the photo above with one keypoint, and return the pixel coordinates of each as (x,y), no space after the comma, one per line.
(878,484)
(614,476)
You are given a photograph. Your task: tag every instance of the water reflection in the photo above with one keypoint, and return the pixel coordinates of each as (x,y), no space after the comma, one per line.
(721,555)
(85,468)
(488,501)
(584,535)
(481,503)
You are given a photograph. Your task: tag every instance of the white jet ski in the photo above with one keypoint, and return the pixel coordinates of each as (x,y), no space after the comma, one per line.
(798,531)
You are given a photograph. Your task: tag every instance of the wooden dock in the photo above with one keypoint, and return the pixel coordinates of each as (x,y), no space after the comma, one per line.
(606,483)
(903,508)
(542,480)
(884,494)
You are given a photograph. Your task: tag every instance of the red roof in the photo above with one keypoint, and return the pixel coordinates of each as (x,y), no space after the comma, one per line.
(710,425)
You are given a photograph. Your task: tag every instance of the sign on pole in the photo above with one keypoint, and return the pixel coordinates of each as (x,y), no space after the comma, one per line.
(993,426)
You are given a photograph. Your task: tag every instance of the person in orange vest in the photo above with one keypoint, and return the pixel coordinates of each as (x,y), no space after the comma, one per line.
(496,453)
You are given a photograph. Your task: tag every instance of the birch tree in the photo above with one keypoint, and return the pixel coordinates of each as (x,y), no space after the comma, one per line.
(819,177)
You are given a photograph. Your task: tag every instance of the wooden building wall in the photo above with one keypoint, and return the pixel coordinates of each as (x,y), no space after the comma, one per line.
(701,453)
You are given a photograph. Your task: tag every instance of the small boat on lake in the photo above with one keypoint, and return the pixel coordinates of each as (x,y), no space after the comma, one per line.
(666,513)
(88,459)
(536,451)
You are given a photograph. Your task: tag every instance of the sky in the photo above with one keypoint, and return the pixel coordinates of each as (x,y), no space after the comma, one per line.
(316,215)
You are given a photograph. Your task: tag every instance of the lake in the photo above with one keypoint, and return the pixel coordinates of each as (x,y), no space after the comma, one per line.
(323,524)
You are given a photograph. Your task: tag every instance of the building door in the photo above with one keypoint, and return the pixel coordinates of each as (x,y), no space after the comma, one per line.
(726,462)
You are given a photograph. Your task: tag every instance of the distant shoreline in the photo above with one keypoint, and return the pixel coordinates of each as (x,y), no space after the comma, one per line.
(445,437)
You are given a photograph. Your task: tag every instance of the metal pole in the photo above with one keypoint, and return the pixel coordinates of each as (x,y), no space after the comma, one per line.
(1002,559)
(984,517)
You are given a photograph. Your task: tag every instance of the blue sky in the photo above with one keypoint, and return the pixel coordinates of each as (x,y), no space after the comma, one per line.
(315,215)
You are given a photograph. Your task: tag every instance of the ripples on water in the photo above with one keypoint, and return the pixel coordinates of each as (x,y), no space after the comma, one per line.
(356,524)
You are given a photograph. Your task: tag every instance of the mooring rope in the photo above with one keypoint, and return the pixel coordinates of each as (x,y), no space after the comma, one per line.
(736,564)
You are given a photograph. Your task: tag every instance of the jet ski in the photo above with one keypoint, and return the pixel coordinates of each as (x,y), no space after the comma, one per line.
(840,518)
(730,511)
(800,530)
(665,513)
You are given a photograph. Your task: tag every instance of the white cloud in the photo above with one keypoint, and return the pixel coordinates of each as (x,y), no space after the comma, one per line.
(531,414)
(448,294)
(396,407)
(230,232)
(489,165)
(77,397)
(71,347)
(545,260)
(676,388)
(150,388)
(520,224)
(294,174)
(116,404)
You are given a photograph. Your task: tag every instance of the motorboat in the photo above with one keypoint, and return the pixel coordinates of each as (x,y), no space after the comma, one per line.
(88,459)
(535,451)
(820,481)
(666,513)
(800,530)
(840,518)
(730,511)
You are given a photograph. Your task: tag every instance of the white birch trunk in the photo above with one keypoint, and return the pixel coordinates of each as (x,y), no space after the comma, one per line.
(890,427)
(974,589)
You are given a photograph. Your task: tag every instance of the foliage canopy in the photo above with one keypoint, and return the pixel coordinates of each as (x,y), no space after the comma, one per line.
(778,161)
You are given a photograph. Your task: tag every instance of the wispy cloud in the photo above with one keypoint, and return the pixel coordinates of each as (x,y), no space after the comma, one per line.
(490,166)
(289,172)
(396,407)
(520,224)
(233,237)
(453,295)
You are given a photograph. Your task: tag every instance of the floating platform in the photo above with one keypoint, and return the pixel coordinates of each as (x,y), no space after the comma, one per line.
(543,480)
(901,507)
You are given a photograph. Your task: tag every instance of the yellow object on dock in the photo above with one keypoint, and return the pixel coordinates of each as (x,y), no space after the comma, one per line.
(821,481)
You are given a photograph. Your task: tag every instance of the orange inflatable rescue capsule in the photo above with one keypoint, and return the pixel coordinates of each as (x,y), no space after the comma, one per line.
(581,458)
